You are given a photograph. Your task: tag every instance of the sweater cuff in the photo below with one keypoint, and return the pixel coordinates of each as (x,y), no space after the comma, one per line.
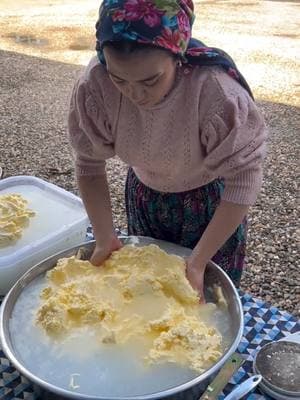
(243,188)
(90,170)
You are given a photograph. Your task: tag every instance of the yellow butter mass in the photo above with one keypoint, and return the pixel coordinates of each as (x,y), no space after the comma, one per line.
(139,292)
(14,217)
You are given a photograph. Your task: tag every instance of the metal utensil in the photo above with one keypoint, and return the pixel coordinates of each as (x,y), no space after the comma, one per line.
(228,370)
(244,388)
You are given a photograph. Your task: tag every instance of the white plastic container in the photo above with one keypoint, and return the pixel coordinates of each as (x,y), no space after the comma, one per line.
(60,222)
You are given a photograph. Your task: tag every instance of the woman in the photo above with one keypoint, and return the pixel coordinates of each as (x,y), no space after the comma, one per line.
(183,118)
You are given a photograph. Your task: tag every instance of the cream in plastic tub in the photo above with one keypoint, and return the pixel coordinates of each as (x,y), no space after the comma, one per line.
(60,222)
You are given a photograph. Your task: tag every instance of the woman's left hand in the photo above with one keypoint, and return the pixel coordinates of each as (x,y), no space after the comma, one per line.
(195,275)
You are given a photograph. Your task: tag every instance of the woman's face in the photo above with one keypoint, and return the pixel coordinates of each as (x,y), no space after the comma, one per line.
(144,76)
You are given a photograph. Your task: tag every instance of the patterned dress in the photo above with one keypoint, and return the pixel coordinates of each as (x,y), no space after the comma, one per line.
(181,218)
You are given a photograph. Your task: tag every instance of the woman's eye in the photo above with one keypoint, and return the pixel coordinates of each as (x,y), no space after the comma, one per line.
(151,83)
(116,80)
(119,82)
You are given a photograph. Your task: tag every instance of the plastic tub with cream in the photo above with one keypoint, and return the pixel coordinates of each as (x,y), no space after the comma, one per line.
(60,222)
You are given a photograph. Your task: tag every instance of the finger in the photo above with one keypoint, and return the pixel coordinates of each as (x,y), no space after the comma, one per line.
(201,295)
(97,259)
(117,244)
(202,298)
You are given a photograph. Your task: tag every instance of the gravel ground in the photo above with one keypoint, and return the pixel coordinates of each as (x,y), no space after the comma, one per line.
(41,53)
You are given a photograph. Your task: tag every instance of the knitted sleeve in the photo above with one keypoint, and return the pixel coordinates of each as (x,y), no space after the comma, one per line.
(234,137)
(89,131)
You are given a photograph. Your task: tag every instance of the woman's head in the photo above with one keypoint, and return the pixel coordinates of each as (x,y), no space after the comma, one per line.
(159,24)
(139,41)
(144,74)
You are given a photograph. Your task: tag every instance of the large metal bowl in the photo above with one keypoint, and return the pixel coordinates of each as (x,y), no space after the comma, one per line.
(188,391)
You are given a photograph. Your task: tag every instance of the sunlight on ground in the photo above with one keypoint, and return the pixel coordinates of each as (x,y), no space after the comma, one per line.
(261,36)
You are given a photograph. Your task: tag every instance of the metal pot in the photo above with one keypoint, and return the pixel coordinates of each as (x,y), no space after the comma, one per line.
(190,390)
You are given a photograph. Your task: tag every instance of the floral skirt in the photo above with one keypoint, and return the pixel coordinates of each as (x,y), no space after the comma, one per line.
(181,218)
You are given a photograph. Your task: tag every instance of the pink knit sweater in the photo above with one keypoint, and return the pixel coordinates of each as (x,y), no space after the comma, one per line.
(206,127)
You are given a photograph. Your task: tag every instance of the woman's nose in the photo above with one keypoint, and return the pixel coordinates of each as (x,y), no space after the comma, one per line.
(136,93)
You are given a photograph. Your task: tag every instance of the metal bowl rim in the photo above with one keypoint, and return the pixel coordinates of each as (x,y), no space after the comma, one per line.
(14,293)
(274,388)
(276,395)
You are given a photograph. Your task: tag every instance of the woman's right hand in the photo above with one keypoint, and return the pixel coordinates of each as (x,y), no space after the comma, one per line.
(102,252)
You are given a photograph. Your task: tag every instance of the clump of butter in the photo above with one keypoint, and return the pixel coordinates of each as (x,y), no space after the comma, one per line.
(184,339)
(139,293)
(14,217)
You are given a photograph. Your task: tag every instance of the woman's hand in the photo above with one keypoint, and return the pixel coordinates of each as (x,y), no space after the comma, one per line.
(226,219)
(102,252)
(195,275)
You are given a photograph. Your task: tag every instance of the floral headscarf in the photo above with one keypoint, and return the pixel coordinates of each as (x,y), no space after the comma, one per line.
(162,23)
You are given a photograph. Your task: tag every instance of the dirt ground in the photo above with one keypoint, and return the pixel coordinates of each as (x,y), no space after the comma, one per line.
(43,45)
